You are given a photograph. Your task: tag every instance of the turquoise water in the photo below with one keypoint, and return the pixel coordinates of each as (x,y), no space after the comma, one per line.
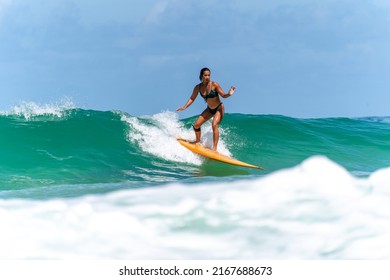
(65,170)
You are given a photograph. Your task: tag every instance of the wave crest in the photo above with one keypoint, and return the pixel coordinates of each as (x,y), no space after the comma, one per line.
(28,110)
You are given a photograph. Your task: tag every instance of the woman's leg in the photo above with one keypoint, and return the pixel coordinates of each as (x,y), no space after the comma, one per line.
(215,124)
(204,117)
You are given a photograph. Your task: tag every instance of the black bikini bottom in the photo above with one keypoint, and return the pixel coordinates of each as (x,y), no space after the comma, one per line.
(213,111)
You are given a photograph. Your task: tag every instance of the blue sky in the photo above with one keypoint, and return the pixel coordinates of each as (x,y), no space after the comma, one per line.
(299,58)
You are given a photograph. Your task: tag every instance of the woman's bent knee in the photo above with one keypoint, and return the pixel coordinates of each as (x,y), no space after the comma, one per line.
(197,129)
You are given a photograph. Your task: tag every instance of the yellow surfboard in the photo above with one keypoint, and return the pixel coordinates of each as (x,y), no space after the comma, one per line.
(203,151)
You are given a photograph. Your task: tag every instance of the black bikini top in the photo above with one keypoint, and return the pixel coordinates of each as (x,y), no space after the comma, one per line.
(211,94)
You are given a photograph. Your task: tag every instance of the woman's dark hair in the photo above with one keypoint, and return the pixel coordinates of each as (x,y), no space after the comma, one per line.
(202,71)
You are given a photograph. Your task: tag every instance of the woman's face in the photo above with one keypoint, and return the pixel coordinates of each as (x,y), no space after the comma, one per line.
(206,76)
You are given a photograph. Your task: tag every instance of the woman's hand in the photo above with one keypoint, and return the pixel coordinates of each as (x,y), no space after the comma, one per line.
(232,90)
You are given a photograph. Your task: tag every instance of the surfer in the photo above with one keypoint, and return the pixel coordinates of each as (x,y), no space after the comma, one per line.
(210,91)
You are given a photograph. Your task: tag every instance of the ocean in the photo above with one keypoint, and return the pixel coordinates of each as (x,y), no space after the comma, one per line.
(89,184)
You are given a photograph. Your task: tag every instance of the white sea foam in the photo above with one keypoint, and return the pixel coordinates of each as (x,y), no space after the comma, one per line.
(32,109)
(151,131)
(315,210)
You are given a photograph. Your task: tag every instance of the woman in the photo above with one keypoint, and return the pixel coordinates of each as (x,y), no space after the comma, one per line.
(210,91)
